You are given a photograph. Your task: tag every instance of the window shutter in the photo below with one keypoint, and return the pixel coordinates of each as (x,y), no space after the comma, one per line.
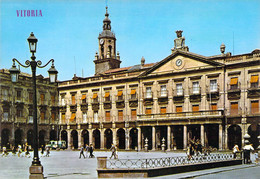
(233,81)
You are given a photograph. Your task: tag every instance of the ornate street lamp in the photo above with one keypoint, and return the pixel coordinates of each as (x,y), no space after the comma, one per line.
(36,169)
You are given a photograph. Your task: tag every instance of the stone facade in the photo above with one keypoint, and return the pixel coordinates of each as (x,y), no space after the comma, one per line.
(16,109)
(183,97)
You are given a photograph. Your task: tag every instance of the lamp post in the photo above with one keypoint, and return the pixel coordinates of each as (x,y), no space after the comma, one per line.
(36,169)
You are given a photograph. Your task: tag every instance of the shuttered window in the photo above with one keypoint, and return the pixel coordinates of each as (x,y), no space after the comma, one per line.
(120,115)
(178,108)
(195,108)
(107,115)
(254,79)
(234,81)
(133,114)
(148,111)
(119,93)
(53,100)
(213,107)
(72,118)
(133,91)
(84,98)
(53,115)
(63,117)
(107,94)
(42,99)
(73,99)
(42,115)
(163,110)
(254,107)
(234,108)
(95,95)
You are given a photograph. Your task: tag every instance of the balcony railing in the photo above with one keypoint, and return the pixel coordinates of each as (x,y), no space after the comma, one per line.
(178,92)
(235,112)
(188,115)
(30,119)
(148,95)
(235,87)
(107,99)
(212,89)
(195,90)
(120,98)
(162,94)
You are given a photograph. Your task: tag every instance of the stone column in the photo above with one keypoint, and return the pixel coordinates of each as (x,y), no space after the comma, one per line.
(80,139)
(226,137)
(127,139)
(184,137)
(114,137)
(69,138)
(202,137)
(90,132)
(139,138)
(220,137)
(102,135)
(168,138)
(153,137)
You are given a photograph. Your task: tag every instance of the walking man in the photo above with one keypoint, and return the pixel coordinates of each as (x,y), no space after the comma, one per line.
(91,150)
(247,149)
(87,150)
(81,152)
(113,150)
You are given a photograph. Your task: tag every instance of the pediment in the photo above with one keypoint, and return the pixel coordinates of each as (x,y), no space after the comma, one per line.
(181,61)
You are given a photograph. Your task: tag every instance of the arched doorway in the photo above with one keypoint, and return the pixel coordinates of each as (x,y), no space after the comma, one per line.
(85,135)
(30,137)
(108,138)
(18,137)
(234,136)
(177,137)
(74,136)
(42,138)
(64,136)
(212,135)
(5,138)
(147,133)
(254,132)
(161,132)
(193,132)
(121,138)
(53,135)
(96,138)
(133,138)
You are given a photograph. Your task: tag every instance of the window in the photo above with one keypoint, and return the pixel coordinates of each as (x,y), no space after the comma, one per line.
(213,107)
(63,100)
(30,115)
(6,115)
(84,117)
(107,115)
(195,87)
(53,116)
(254,81)
(195,109)
(73,99)
(84,99)
(107,96)
(179,110)
(163,110)
(30,97)
(42,99)
(120,115)
(133,114)
(18,95)
(163,91)
(63,118)
(5,94)
(19,112)
(234,108)
(42,115)
(179,89)
(73,117)
(148,92)
(213,86)
(234,83)
(95,116)
(52,100)
(95,97)
(148,111)
(133,93)
(254,107)
(120,95)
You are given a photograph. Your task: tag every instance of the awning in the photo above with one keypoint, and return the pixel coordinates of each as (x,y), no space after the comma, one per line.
(119,93)
(73,115)
(94,95)
(107,94)
(233,81)
(133,91)
(254,79)
(83,96)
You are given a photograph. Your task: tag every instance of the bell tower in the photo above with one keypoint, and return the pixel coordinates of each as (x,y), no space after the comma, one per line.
(106,57)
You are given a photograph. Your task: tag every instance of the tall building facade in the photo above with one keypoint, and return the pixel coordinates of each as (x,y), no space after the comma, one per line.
(183,97)
(16,110)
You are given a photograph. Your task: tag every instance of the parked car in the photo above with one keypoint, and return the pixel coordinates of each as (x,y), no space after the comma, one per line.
(61,144)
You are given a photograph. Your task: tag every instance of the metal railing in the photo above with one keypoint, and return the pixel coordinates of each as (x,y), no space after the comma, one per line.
(166,162)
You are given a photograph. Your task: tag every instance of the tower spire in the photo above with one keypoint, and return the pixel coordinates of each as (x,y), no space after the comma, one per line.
(106,21)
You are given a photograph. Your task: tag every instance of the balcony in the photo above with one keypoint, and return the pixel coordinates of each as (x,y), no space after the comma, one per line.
(107,102)
(95,103)
(120,101)
(234,91)
(148,98)
(133,100)
(235,112)
(195,94)
(162,96)
(254,112)
(183,115)
(253,90)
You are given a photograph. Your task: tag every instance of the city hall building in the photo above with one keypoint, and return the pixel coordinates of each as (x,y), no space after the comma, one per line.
(183,97)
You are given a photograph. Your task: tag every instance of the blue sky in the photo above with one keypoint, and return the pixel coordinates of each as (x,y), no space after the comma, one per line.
(68,30)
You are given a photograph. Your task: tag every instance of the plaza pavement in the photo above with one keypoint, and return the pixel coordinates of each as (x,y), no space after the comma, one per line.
(67,165)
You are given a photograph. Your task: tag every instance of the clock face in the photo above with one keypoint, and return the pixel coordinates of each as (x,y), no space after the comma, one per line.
(179,62)
(101,41)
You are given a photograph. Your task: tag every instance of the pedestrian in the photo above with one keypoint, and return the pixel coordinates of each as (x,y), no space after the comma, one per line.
(91,150)
(113,150)
(5,153)
(14,150)
(26,150)
(42,152)
(48,151)
(19,150)
(199,147)
(81,152)
(256,158)
(190,151)
(235,150)
(247,150)
(87,150)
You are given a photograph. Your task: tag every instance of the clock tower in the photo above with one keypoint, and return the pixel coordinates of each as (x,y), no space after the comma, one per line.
(106,57)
